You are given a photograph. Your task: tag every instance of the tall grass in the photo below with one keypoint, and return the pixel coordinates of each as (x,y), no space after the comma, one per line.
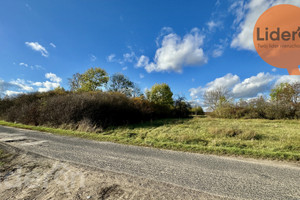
(259,138)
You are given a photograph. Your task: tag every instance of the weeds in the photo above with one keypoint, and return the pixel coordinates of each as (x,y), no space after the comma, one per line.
(276,139)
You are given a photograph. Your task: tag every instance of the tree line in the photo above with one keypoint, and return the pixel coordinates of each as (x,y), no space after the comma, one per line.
(97,100)
(283,103)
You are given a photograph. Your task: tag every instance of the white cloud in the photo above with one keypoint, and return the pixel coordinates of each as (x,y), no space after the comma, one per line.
(31,66)
(287,79)
(47,86)
(93,58)
(129,57)
(22,85)
(220,48)
(227,82)
(11,93)
(142,76)
(218,52)
(38,84)
(4,86)
(52,45)
(53,77)
(250,87)
(175,53)
(111,57)
(142,61)
(23,64)
(246,17)
(274,70)
(37,47)
(124,68)
(213,24)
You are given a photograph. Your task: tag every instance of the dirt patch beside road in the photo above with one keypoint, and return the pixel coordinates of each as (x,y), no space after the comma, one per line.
(25,175)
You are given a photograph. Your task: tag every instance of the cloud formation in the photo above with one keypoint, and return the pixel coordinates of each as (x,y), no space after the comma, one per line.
(37,47)
(227,82)
(53,77)
(254,85)
(111,57)
(248,88)
(93,58)
(175,52)
(52,45)
(31,66)
(20,86)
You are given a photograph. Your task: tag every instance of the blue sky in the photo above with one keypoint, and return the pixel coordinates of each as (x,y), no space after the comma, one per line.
(194,46)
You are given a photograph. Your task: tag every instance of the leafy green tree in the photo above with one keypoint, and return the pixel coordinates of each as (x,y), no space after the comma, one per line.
(160,94)
(198,110)
(91,80)
(122,84)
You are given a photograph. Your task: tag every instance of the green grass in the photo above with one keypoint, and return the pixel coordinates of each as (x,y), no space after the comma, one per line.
(257,138)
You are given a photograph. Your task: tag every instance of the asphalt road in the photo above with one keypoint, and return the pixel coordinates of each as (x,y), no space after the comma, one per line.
(222,176)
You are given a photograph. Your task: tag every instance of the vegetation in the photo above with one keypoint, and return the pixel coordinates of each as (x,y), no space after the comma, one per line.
(88,106)
(160,94)
(91,80)
(100,109)
(258,138)
(122,84)
(122,114)
(283,104)
(198,110)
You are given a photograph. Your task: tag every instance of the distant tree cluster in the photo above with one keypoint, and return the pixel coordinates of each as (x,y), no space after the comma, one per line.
(96,98)
(284,103)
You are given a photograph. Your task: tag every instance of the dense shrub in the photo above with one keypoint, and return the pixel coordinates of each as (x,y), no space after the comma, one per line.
(83,109)
(197,111)
(258,109)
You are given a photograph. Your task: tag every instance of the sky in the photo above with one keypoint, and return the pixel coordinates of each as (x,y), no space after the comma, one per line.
(194,46)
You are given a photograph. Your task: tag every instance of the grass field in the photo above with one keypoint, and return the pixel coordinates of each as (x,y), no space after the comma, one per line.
(276,139)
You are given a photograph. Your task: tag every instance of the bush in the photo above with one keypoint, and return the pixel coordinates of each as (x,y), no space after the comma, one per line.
(197,110)
(258,108)
(86,111)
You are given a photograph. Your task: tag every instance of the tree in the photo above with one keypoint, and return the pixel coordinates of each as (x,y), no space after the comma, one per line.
(181,107)
(198,110)
(59,90)
(286,93)
(215,98)
(91,80)
(74,82)
(286,100)
(122,84)
(160,94)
